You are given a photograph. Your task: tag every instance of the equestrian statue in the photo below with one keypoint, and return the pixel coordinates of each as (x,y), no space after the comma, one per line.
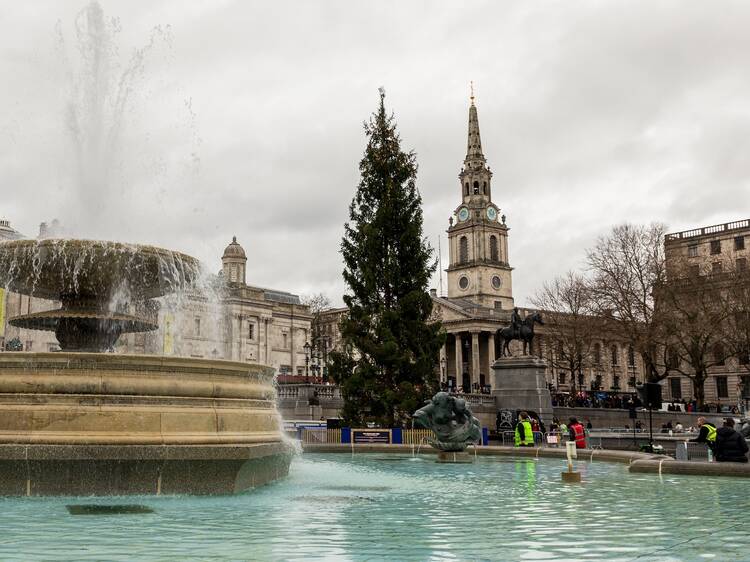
(518,330)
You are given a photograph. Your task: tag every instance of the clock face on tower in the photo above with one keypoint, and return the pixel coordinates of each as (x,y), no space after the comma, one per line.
(463,214)
(491,213)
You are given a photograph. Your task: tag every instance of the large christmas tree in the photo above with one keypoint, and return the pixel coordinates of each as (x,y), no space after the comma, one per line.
(388,363)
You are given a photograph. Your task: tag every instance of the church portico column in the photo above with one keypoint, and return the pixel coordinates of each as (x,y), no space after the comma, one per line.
(490,356)
(443,364)
(459,359)
(474,359)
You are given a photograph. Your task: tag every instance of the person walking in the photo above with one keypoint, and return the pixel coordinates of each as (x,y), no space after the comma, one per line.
(577,433)
(524,436)
(730,446)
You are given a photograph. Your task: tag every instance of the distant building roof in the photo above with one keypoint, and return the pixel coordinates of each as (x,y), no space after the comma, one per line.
(7,232)
(281,296)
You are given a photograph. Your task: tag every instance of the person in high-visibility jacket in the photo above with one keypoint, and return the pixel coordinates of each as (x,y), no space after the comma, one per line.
(577,433)
(707,433)
(524,434)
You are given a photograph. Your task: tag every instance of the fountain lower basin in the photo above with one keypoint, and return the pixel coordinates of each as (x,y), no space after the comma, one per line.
(113,424)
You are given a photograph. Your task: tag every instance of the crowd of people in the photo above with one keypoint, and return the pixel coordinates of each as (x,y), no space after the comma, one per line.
(625,401)
(725,443)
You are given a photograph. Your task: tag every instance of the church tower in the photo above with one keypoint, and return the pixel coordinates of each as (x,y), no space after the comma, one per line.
(478,236)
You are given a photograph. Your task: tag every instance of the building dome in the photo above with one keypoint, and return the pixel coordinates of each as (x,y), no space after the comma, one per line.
(234,250)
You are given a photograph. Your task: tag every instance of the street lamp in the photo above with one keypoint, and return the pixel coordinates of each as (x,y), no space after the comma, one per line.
(306,347)
(443,377)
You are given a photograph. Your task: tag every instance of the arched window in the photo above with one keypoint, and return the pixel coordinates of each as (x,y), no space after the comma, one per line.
(484,188)
(466,188)
(476,188)
(463,250)
(493,248)
(615,360)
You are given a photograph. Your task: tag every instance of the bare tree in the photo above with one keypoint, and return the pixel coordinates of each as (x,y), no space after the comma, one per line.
(628,265)
(738,333)
(695,311)
(568,321)
(316,302)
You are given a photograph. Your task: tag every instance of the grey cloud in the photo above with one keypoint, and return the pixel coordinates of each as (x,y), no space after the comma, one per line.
(592,113)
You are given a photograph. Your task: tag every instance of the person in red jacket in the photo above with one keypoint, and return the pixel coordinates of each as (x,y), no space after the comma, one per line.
(577,433)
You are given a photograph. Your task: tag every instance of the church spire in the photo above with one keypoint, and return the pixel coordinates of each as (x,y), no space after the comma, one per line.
(474,147)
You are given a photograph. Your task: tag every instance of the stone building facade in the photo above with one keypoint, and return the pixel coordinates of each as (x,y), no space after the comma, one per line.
(228,319)
(712,251)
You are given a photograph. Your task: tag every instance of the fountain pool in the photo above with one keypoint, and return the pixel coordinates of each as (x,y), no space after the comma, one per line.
(392,507)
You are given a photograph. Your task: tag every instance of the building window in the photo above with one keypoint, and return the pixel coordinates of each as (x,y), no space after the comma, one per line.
(695,270)
(250,330)
(484,187)
(693,250)
(597,354)
(197,326)
(675,388)
(716,267)
(616,382)
(493,248)
(631,356)
(715,247)
(741,264)
(466,188)
(476,188)
(463,282)
(673,360)
(719,357)
(615,360)
(722,388)
(739,242)
(561,378)
(283,337)
(463,250)
(745,386)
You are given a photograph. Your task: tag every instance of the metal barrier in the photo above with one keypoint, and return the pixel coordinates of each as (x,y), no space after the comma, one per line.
(415,436)
(309,435)
(687,451)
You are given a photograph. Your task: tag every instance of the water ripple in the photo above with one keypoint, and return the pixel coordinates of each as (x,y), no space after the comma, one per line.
(338,507)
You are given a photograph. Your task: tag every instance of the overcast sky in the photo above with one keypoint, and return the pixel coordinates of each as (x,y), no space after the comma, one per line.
(246,119)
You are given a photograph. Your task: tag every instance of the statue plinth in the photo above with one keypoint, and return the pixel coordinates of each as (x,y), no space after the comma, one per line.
(519,384)
(455,457)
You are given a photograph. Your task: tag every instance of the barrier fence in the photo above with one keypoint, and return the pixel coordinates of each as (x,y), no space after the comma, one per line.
(685,450)
(366,435)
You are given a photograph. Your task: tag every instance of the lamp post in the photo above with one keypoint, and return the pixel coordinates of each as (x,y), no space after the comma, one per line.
(443,376)
(306,347)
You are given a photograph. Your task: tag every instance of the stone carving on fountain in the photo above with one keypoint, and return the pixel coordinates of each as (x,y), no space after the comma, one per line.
(453,424)
(83,422)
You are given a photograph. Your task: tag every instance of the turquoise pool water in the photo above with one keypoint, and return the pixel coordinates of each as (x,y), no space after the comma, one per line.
(384,507)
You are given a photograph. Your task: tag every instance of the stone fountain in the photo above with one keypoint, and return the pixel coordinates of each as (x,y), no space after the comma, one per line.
(82,421)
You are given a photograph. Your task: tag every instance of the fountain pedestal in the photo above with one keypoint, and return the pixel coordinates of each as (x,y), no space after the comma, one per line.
(519,384)
(455,457)
(85,422)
